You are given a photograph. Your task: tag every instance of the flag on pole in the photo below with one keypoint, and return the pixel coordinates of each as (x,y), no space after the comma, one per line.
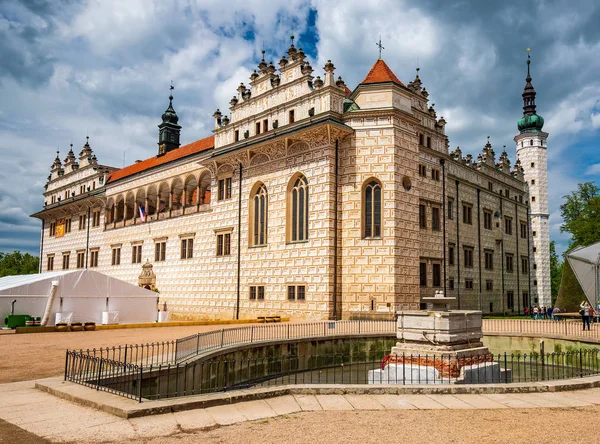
(142,214)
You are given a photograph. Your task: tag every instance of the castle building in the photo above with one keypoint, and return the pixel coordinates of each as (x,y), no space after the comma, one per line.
(310,200)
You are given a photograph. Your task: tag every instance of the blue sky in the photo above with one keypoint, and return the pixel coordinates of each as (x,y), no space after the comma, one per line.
(102,68)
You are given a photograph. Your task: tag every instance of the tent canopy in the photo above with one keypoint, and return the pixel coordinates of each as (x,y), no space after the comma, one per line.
(85,293)
(585,261)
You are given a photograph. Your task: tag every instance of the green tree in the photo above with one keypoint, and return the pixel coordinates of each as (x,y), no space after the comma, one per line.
(581,215)
(17,263)
(556,269)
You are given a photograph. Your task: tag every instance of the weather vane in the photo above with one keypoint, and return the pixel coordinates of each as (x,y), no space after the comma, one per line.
(171,87)
(380,46)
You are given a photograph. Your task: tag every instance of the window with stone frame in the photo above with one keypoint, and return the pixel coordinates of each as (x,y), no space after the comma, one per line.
(509,262)
(489,259)
(422,216)
(428,142)
(469,284)
(421,139)
(224,244)
(510,300)
(66,258)
(258,126)
(265,127)
(94,258)
(68,222)
(80,259)
(372,209)
(524,265)
(523,229)
(489,285)
(82,218)
(435,218)
(467,214)
(437,274)
(136,254)
(468,257)
(257,292)
(423,274)
(258,215)
(508,223)
(160,251)
(451,248)
(451,283)
(526,302)
(224,188)
(450,209)
(422,170)
(435,174)
(487,219)
(187,248)
(291,116)
(298,210)
(50,263)
(116,256)
(296,292)
(490,186)
(52,229)
(96,218)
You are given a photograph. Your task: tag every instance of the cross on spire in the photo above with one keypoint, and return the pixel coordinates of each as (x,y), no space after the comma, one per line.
(380,46)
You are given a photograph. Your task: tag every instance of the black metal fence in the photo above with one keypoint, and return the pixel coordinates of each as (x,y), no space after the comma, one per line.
(201,343)
(215,375)
(154,353)
(570,328)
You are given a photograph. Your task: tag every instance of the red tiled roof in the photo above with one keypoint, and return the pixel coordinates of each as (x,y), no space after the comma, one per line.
(182,151)
(381,73)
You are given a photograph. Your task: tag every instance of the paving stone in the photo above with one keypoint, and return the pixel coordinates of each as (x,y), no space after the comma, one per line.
(450,401)
(537,401)
(308,402)
(512,401)
(364,402)
(194,419)
(480,402)
(254,410)
(564,400)
(423,402)
(283,405)
(334,402)
(394,402)
(581,395)
(226,414)
(155,425)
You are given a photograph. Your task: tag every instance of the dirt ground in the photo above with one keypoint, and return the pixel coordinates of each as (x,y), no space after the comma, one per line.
(573,425)
(41,355)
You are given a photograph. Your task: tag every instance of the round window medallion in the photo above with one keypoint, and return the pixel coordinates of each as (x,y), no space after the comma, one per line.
(407,183)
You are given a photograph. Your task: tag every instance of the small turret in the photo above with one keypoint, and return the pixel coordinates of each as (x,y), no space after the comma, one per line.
(169,130)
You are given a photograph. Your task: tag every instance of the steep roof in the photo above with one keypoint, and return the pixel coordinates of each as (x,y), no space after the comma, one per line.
(179,153)
(381,73)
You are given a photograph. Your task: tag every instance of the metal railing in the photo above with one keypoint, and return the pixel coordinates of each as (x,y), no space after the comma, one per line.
(541,327)
(201,343)
(154,353)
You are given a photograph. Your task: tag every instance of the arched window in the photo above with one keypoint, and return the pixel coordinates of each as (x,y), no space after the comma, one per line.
(372,209)
(298,200)
(258,215)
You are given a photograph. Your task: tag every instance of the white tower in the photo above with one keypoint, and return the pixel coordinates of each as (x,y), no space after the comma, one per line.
(532,153)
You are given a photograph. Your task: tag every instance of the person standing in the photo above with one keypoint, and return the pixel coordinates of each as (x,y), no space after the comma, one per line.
(536,312)
(550,312)
(585,314)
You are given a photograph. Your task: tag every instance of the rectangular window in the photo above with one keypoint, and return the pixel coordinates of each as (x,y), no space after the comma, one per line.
(301,293)
(450,209)
(224,244)
(510,300)
(94,258)
(489,285)
(116,256)
(509,263)
(534,249)
(257,292)
(507,193)
(468,253)
(532,181)
(435,219)
(489,259)
(257,128)
(533,198)
(508,225)
(524,265)
(467,214)
(535,283)
(136,254)
(95,218)
(224,188)
(265,125)
(52,231)
(435,174)
(490,186)
(437,275)
(80,259)
(487,219)
(451,283)
(50,265)
(422,170)
(469,284)
(421,140)
(428,142)
(160,249)
(525,299)
(66,257)
(236,136)
(423,274)
(291,118)
(291,293)
(532,164)
(451,254)
(533,233)
(187,248)
(422,216)
(68,225)
(82,222)
(523,230)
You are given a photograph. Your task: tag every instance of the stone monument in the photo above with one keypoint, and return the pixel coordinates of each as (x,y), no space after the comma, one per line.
(438,345)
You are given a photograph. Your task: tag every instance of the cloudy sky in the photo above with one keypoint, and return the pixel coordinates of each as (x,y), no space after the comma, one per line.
(102,67)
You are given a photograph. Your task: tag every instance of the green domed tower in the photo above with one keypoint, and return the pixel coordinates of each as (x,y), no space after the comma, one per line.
(530,122)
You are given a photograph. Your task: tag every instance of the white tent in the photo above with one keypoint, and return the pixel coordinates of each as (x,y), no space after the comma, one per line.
(585,262)
(84,293)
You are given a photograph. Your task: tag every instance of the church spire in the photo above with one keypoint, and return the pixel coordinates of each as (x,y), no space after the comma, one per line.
(169,130)
(530,120)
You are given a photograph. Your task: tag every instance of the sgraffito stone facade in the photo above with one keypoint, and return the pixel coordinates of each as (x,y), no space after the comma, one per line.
(310,201)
